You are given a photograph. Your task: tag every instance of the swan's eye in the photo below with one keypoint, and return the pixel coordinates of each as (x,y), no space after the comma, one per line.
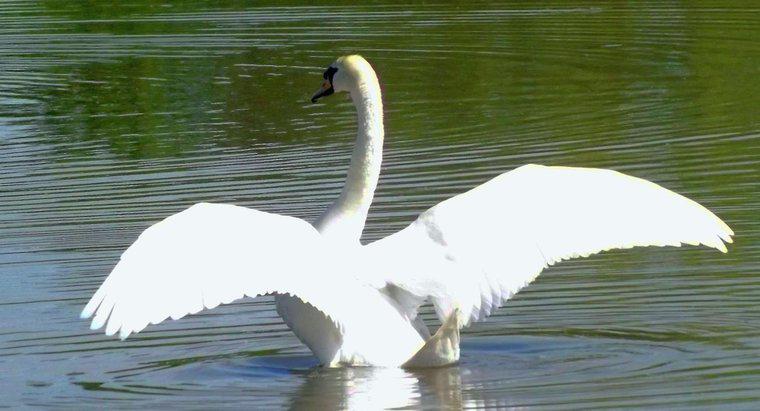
(329,73)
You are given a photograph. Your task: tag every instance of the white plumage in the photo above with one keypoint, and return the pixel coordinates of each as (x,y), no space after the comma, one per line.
(475,250)
(357,305)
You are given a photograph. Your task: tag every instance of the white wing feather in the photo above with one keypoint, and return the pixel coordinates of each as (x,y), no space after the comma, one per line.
(475,250)
(213,254)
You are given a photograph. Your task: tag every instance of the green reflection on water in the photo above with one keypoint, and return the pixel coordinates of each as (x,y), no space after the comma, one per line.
(157,81)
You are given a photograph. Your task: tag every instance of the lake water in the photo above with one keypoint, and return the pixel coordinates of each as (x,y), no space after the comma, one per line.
(115,116)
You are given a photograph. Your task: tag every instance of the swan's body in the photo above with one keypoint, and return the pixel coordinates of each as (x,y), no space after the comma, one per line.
(357,305)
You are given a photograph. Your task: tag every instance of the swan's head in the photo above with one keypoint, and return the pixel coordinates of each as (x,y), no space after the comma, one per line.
(344,74)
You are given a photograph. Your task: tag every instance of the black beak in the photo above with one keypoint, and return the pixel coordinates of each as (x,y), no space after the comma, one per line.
(322,92)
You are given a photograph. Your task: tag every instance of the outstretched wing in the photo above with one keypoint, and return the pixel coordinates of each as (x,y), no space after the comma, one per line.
(475,250)
(213,254)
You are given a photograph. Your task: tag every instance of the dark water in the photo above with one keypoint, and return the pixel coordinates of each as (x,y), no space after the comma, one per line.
(114,116)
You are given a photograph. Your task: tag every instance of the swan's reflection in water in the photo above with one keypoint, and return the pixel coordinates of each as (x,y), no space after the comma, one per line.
(494,373)
(372,388)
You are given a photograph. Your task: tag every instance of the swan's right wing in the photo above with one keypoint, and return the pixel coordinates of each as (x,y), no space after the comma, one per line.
(213,254)
(475,250)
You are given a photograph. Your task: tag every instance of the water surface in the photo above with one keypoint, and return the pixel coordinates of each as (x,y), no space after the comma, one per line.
(115,116)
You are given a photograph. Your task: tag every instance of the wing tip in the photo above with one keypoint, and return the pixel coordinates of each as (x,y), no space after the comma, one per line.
(725,236)
(124,333)
(95,302)
(112,328)
(719,242)
(85,314)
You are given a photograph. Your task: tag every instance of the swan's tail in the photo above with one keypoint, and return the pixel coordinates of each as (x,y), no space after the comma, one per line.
(442,348)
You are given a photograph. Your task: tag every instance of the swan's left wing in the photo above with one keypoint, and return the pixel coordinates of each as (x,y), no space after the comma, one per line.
(213,254)
(475,250)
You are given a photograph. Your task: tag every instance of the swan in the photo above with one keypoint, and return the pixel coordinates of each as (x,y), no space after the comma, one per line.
(354,304)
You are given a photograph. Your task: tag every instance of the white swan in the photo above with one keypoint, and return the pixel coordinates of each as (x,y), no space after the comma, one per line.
(357,305)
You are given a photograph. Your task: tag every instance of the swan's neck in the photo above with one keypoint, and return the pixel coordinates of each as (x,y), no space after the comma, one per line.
(344,219)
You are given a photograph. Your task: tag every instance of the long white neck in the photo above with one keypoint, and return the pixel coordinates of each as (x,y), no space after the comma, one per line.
(344,219)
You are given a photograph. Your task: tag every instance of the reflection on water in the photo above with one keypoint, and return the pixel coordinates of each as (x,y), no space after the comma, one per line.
(358,389)
(113,116)
(386,388)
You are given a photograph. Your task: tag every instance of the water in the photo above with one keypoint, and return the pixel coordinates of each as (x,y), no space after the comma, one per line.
(115,116)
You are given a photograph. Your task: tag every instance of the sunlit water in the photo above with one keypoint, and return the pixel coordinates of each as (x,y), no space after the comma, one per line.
(113,117)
